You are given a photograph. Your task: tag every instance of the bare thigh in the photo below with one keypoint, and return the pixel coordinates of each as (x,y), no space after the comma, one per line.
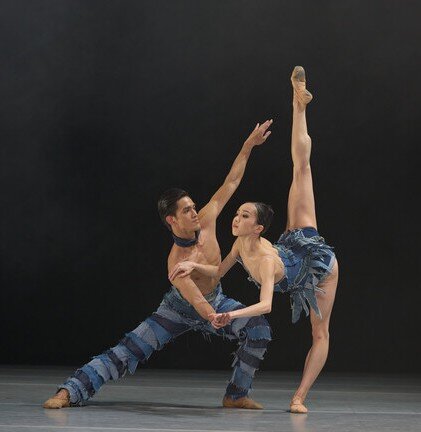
(301,211)
(325,300)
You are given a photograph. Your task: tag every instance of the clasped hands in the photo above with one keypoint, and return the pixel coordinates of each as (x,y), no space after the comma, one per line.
(219,320)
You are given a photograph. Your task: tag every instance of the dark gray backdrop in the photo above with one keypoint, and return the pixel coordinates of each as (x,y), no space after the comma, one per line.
(105,104)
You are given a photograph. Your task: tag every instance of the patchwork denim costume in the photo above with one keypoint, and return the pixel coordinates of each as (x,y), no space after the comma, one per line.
(307,260)
(174,317)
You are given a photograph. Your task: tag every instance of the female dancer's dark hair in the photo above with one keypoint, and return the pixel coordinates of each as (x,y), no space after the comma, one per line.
(264,215)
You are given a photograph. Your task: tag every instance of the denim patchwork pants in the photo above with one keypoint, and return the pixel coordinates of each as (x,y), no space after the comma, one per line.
(174,317)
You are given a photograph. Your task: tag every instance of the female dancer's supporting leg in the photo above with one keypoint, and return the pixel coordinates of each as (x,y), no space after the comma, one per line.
(302,213)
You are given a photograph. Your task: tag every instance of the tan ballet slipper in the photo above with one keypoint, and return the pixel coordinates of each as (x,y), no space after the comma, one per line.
(297,406)
(60,400)
(298,80)
(244,402)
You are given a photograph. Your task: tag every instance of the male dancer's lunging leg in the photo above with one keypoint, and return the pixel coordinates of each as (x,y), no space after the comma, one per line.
(189,303)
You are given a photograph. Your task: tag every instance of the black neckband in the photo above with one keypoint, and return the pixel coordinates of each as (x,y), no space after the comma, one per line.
(186,242)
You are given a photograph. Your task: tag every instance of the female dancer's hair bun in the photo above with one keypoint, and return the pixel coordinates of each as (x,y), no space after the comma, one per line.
(264,215)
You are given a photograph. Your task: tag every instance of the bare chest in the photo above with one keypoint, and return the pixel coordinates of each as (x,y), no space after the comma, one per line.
(206,251)
(252,264)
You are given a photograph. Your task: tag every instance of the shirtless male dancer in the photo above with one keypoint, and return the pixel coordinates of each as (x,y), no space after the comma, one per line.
(189,303)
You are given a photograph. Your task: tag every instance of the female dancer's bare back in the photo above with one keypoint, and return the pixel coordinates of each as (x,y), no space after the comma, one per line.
(302,213)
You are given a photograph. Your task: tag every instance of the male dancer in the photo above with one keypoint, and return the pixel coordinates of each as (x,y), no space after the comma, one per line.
(190,302)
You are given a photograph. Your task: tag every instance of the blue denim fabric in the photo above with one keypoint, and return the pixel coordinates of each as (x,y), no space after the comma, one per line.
(174,317)
(307,260)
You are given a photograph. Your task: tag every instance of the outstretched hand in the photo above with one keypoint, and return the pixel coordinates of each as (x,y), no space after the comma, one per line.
(259,134)
(181,269)
(219,320)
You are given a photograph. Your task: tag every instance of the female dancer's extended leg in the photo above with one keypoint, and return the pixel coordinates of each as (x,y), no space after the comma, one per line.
(302,213)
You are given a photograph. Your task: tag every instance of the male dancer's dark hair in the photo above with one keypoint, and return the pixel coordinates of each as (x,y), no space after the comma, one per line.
(167,203)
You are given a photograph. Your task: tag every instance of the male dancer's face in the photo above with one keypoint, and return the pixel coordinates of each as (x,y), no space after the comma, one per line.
(186,218)
(245,221)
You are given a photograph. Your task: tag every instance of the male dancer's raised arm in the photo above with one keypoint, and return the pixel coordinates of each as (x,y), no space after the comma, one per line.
(211,211)
(194,287)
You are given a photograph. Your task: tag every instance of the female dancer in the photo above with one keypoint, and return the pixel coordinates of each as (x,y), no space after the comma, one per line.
(299,263)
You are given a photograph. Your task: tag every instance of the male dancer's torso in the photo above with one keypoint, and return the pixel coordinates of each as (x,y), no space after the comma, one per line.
(205,251)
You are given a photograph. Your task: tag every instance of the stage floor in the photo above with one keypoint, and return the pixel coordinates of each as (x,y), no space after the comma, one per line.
(180,401)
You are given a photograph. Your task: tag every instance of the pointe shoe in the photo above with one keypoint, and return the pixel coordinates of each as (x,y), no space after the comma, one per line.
(298,80)
(244,402)
(59,400)
(297,407)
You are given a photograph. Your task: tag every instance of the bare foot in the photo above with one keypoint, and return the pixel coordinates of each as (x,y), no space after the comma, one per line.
(60,400)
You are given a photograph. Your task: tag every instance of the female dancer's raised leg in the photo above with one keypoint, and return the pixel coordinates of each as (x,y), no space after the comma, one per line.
(302,213)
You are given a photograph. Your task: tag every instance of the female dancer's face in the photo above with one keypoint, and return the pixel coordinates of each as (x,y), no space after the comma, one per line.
(245,221)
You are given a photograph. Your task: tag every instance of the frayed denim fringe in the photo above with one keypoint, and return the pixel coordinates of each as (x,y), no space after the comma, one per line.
(174,317)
